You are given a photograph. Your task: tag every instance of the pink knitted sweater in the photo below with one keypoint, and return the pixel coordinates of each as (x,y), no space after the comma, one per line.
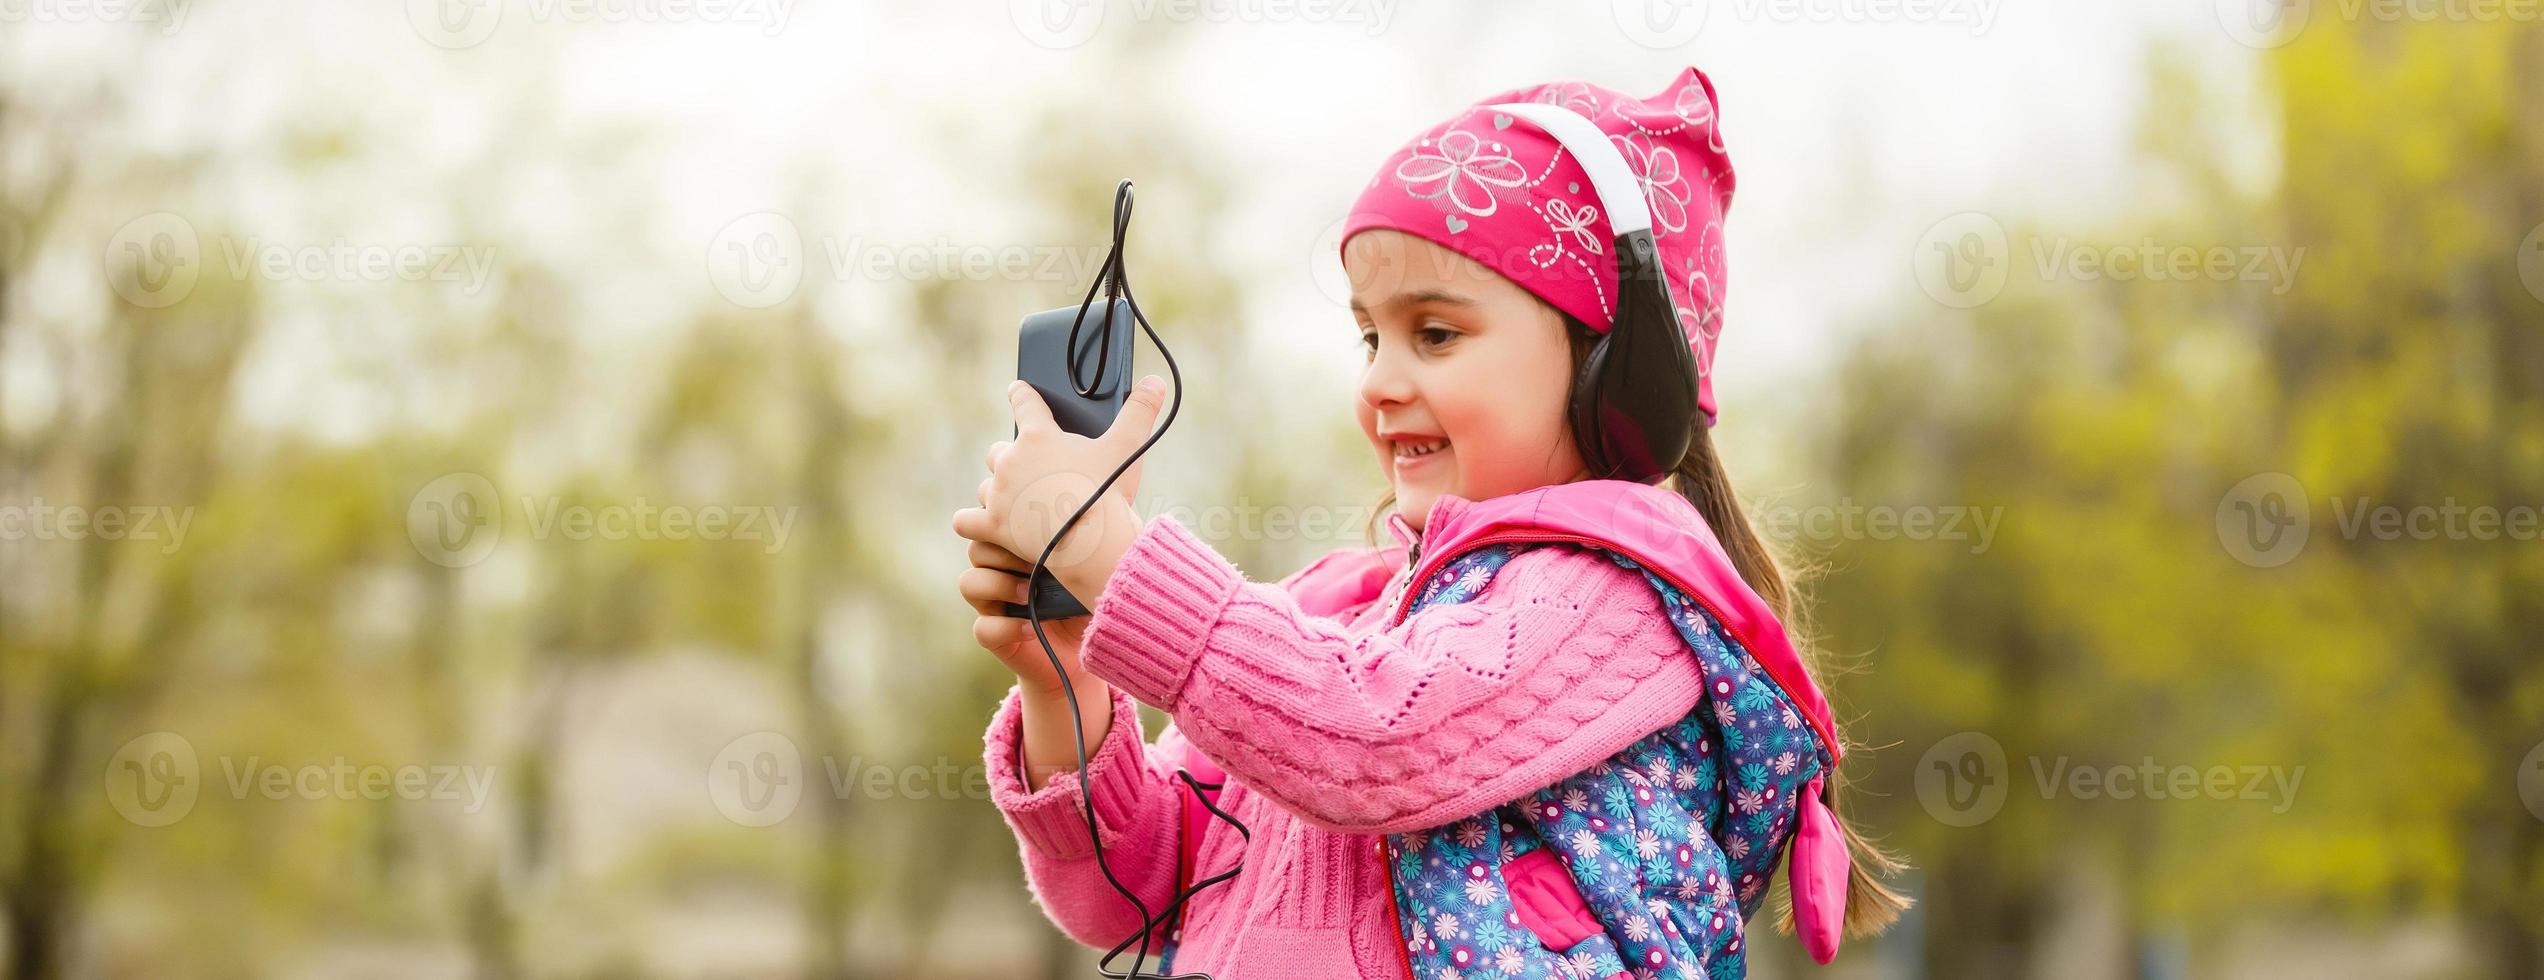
(1334,731)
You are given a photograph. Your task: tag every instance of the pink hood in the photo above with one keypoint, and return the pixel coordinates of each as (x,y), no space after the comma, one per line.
(1663,532)
(1652,525)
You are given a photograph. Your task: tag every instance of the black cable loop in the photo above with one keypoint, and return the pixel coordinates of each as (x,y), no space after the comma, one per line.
(1114,281)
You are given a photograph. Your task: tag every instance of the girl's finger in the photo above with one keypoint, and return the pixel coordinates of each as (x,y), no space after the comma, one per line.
(977,524)
(986,586)
(1031,412)
(997,451)
(994,632)
(987,555)
(984,492)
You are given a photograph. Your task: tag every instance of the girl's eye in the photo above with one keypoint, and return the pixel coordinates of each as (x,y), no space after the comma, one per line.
(1431,337)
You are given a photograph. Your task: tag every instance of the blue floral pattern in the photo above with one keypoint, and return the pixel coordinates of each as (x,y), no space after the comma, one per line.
(1670,841)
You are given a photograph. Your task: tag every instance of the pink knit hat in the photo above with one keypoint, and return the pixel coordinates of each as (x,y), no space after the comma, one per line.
(1504,193)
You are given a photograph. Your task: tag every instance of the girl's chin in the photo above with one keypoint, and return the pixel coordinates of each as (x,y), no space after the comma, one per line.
(1415,505)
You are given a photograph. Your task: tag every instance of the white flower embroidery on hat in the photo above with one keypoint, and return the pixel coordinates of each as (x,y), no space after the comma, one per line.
(1704,321)
(1461,161)
(1698,110)
(1656,168)
(1562,217)
(1693,106)
(1575,96)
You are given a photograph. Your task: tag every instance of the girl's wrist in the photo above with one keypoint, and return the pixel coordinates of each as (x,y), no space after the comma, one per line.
(1114,526)
(1091,691)
(1044,751)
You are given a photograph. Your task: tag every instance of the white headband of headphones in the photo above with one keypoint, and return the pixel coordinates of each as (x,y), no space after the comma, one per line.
(1619,193)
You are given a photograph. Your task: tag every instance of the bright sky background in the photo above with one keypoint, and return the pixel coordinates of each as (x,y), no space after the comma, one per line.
(1850,138)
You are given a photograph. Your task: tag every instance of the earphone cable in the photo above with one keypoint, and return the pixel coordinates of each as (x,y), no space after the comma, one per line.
(1114,282)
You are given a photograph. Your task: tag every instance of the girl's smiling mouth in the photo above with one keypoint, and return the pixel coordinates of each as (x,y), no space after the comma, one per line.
(1413,450)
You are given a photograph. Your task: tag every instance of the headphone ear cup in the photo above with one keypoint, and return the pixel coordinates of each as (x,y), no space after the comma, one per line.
(1589,391)
(1636,395)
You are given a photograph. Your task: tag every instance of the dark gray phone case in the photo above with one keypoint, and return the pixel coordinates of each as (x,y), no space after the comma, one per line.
(1044,360)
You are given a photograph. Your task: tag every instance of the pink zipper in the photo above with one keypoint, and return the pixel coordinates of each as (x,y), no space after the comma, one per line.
(1396,616)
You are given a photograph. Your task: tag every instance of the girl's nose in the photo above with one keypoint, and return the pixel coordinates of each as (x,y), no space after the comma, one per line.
(1386,381)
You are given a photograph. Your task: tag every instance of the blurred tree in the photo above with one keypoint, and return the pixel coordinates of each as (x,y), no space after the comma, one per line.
(2108,623)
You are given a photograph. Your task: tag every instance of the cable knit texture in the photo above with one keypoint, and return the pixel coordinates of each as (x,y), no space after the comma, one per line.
(1335,730)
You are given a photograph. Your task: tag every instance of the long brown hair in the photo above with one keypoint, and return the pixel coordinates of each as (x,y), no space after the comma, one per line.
(1871,904)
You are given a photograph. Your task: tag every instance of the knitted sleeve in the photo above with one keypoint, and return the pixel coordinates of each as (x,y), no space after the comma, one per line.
(1135,806)
(1138,803)
(1563,661)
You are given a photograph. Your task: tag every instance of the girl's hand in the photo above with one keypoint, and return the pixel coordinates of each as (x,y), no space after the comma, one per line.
(998,576)
(1047,473)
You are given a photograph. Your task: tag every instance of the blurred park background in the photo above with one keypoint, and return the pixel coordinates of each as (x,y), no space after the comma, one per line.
(475,474)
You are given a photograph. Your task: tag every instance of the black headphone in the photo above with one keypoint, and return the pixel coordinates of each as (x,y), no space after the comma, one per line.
(1634,404)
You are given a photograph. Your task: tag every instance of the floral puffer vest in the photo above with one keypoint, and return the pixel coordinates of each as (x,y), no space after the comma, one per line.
(1667,845)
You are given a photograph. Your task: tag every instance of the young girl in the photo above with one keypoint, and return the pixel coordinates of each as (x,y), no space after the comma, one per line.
(1556,730)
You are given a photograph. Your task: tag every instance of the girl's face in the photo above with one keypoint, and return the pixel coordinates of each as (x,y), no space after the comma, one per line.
(1466,379)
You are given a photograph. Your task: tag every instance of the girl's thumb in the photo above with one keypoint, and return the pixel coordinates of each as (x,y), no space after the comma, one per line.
(1139,412)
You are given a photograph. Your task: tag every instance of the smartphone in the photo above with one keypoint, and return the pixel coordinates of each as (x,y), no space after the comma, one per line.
(1099,364)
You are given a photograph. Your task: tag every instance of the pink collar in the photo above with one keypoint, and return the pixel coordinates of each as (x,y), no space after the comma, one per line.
(1658,529)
